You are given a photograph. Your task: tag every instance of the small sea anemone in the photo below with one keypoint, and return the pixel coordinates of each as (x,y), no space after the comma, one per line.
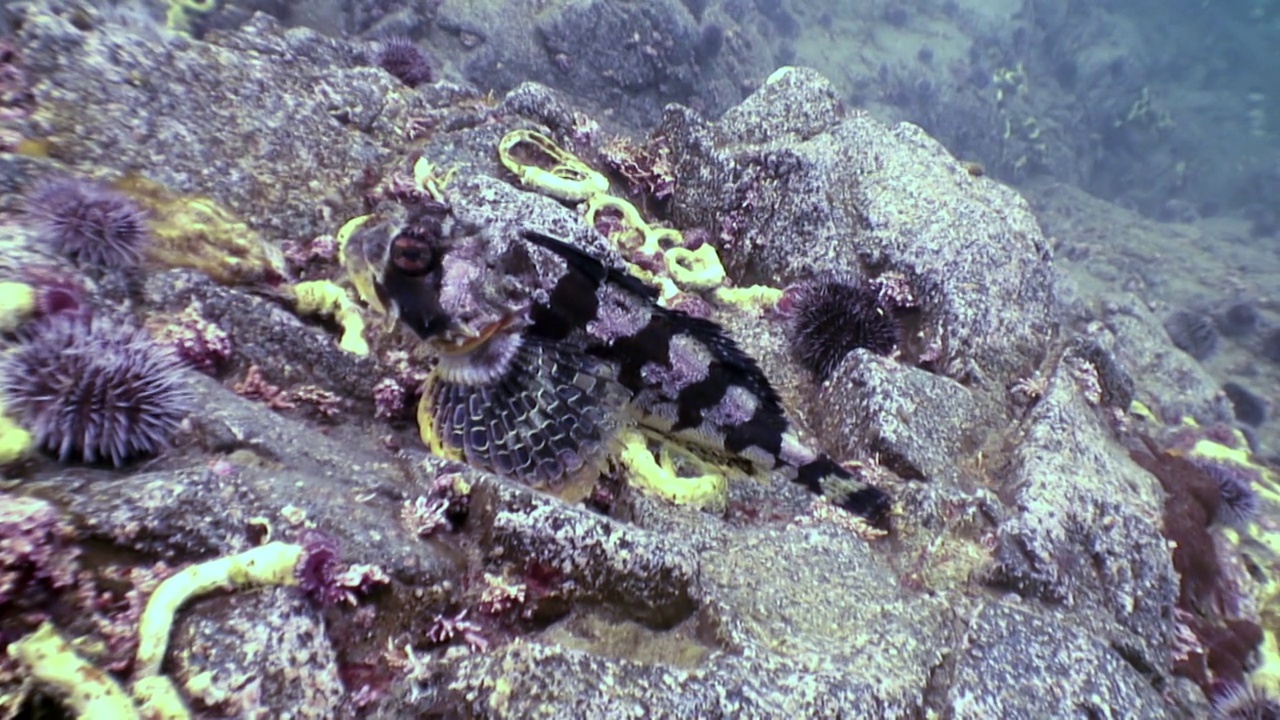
(832,317)
(89,223)
(1245,702)
(94,390)
(1249,407)
(405,60)
(1239,320)
(1193,333)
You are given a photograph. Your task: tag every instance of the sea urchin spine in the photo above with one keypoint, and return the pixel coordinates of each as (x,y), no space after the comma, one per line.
(405,60)
(832,317)
(89,223)
(93,390)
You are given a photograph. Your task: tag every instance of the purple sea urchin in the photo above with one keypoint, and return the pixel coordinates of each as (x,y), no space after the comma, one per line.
(93,390)
(1248,406)
(405,60)
(89,223)
(1193,333)
(1245,702)
(831,317)
(1238,500)
(1239,320)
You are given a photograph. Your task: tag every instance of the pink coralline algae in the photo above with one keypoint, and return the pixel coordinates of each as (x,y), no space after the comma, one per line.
(200,343)
(445,629)
(37,554)
(324,576)
(647,170)
(444,508)
(389,400)
(306,259)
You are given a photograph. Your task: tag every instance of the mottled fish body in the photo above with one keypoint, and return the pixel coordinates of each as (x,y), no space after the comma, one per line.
(548,348)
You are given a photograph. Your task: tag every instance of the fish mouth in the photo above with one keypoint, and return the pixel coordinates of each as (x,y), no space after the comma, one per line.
(464,340)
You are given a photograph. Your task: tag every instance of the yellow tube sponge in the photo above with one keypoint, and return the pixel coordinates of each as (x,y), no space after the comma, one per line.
(15,441)
(541,164)
(17,302)
(695,269)
(179,15)
(158,699)
(658,475)
(86,690)
(754,299)
(270,564)
(324,297)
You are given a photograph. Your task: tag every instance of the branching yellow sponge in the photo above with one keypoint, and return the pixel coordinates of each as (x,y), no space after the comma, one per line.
(324,297)
(270,564)
(158,699)
(752,299)
(86,690)
(659,475)
(17,302)
(199,233)
(550,168)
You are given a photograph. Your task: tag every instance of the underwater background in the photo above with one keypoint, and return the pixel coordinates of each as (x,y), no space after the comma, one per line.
(640,358)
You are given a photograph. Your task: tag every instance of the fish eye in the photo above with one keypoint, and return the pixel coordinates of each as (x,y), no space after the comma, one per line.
(411,255)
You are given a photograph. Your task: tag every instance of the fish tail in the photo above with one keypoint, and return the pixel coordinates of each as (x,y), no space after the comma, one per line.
(826,477)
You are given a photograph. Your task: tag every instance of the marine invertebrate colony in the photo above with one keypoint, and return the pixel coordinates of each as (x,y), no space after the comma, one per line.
(89,223)
(94,390)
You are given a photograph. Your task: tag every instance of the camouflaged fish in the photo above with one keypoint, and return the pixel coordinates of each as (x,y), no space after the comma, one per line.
(547,348)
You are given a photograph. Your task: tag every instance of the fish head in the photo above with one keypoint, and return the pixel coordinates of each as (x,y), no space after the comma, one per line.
(458,285)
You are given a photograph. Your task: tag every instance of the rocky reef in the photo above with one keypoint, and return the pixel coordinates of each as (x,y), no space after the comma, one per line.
(1052,551)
